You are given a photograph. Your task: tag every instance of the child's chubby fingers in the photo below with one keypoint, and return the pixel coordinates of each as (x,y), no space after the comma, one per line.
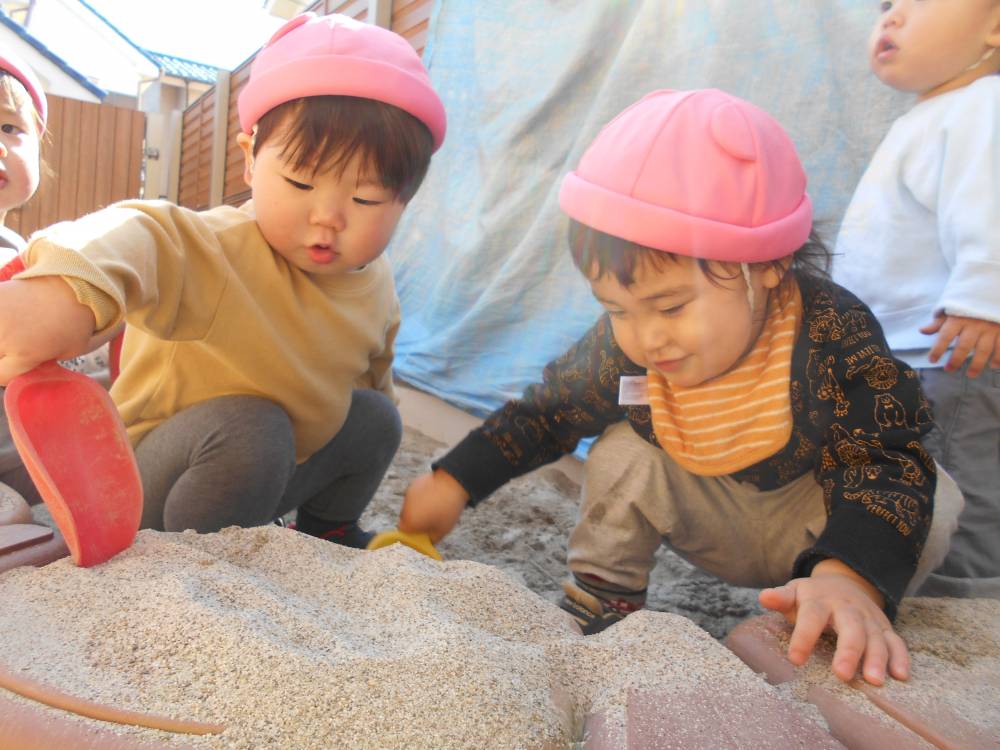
(934,326)
(899,655)
(980,339)
(864,638)
(432,504)
(988,347)
(860,643)
(994,338)
(852,640)
(946,335)
(867,640)
(971,336)
(780,599)
(965,344)
(811,620)
(980,358)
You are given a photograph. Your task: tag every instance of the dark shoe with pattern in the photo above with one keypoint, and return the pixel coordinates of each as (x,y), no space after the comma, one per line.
(348,535)
(594,612)
(345,533)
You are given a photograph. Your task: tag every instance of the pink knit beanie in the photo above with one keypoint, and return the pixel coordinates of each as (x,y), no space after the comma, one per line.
(699,173)
(336,55)
(14,65)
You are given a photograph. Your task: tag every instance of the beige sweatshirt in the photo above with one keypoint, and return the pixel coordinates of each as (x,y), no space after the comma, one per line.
(212,310)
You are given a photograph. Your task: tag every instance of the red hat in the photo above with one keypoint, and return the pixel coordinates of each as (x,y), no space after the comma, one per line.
(14,65)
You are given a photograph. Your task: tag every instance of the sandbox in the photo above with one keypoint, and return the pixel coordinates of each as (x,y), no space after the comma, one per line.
(290,642)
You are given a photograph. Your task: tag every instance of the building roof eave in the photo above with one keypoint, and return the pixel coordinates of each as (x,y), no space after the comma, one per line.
(78,77)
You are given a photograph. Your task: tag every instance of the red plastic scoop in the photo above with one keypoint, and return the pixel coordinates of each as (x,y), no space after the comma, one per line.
(73,443)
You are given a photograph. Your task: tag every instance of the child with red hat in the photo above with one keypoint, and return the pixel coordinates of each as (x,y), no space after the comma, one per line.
(920,244)
(24,111)
(23,117)
(749,411)
(256,370)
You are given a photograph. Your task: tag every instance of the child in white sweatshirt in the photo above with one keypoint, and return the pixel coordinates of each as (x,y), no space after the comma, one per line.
(920,244)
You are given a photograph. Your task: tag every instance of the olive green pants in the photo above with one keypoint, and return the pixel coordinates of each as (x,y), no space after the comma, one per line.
(635,497)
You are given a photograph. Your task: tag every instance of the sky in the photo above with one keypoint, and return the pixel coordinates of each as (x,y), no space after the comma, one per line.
(221,33)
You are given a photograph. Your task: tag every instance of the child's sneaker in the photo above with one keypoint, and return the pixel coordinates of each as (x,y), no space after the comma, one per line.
(345,533)
(596,604)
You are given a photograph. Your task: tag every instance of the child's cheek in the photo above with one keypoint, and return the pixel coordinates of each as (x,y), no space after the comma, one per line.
(627,342)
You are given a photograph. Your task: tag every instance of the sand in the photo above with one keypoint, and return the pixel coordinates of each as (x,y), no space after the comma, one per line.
(523,529)
(292,642)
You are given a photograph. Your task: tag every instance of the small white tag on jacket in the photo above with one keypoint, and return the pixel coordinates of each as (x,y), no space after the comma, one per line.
(633,391)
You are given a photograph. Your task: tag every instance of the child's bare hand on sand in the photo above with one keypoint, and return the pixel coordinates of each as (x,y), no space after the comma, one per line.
(836,597)
(981,338)
(432,504)
(40,319)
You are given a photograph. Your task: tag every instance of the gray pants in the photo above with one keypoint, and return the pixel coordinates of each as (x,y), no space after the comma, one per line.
(19,481)
(966,441)
(230,461)
(635,497)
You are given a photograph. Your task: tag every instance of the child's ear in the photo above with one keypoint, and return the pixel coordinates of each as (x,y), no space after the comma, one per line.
(246,144)
(993,36)
(774,272)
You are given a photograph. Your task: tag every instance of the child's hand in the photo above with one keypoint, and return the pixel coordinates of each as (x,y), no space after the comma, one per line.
(432,504)
(835,596)
(40,319)
(981,337)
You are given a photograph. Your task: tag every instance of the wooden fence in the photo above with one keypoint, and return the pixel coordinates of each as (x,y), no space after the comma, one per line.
(195,173)
(410,19)
(94,152)
(200,136)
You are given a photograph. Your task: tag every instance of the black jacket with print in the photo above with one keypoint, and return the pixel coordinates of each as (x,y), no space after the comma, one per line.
(858,417)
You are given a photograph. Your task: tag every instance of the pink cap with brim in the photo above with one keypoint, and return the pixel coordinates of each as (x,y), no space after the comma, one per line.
(699,173)
(336,55)
(20,70)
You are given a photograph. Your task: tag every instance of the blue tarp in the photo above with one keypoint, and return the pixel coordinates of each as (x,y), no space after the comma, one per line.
(488,291)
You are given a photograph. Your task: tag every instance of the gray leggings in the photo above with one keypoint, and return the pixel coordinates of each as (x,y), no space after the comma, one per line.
(966,441)
(230,461)
(19,481)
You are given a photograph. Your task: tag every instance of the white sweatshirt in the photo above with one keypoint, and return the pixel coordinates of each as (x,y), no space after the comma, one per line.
(922,232)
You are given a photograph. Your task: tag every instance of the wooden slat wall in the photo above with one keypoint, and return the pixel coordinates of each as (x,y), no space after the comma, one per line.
(196,152)
(95,153)
(410,19)
(354,8)
(235,190)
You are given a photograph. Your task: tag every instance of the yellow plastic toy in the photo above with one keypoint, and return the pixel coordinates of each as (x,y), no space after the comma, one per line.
(420,542)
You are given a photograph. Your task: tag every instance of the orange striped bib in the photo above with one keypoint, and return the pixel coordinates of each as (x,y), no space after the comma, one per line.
(739,418)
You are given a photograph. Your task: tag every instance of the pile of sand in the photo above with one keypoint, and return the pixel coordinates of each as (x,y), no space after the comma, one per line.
(292,642)
(523,529)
